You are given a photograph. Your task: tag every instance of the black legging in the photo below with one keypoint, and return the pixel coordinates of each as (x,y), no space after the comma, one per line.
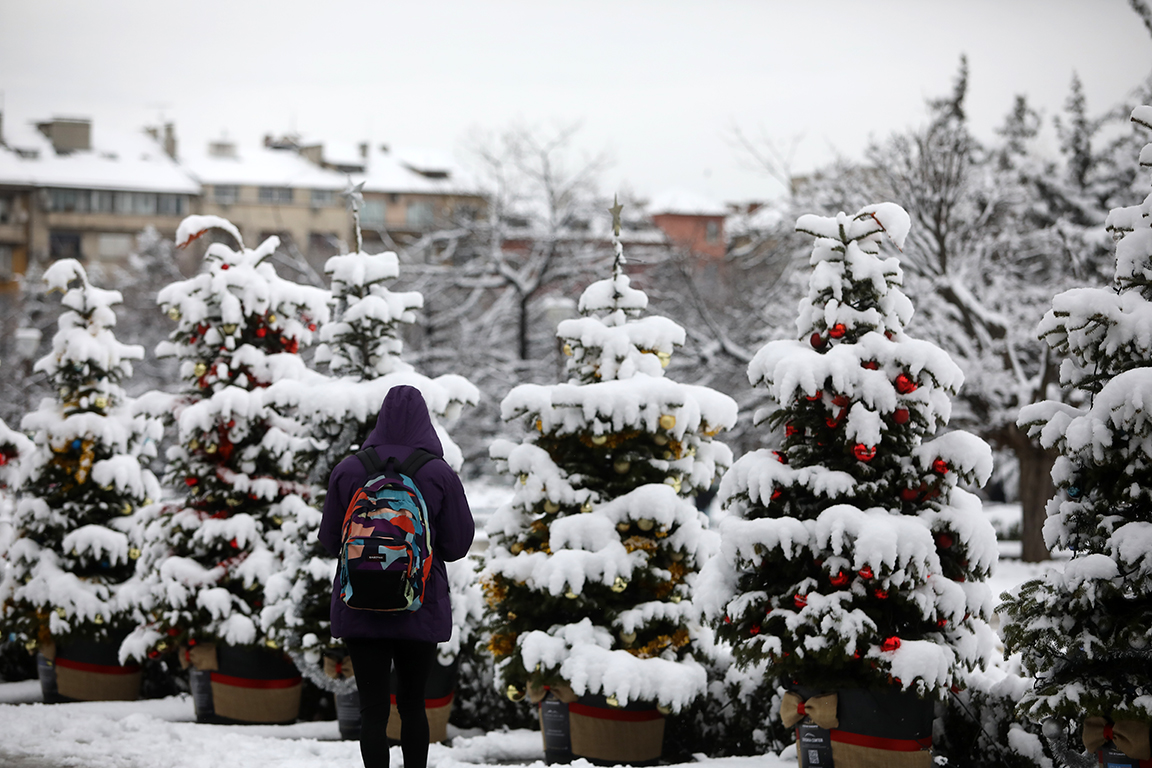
(372,660)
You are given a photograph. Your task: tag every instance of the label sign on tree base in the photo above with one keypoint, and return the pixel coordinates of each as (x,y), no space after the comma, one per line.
(813,745)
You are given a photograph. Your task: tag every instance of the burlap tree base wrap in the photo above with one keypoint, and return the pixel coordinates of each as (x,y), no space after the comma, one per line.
(91,671)
(249,685)
(602,733)
(1118,742)
(866,729)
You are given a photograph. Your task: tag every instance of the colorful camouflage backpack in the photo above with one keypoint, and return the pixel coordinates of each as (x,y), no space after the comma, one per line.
(386,550)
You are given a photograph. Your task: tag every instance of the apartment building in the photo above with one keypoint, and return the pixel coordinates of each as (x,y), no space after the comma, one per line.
(68,193)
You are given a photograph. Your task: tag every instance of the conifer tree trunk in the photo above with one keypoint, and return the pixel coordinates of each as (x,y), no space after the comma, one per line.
(1035,490)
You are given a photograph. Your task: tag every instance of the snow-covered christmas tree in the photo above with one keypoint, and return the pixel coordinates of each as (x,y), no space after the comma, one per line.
(1084,633)
(851,559)
(82,481)
(589,577)
(241,460)
(362,346)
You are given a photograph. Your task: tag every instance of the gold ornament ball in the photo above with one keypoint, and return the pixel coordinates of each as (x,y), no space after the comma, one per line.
(551,507)
(30,646)
(660,439)
(676,556)
(134,553)
(524,479)
(193,444)
(621,466)
(200,369)
(623,526)
(646,524)
(586,507)
(61,612)
(101,402)
(229,328)
(210,448)
(665,358)
(674,597)
(516,548)
(271,318)
(627,638)
(539,425)
(568,350)
(63,391)
(664,709)
(599,439)
(514,693)
(620,584)
(667,455)
(271,643)
(126,509)
(667,421)
(174,313)
(570,594)
(612,701)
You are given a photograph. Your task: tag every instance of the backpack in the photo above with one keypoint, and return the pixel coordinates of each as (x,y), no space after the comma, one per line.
(386,541)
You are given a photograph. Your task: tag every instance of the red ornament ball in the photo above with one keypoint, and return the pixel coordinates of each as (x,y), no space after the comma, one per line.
(837,331)
(905,384)
(800,600)
(3,459)
(755,629)
(311,326)
(816,340)
(940,467)
(881,594)
(261,332)
(944,541)
(890,644)
(790,430)
(815,397)
(776,493)
(832,422)
(224,266)
(871,365)
(900,416)
(864,452)
(780,457)
(865,572)
(234,544)
(839,579)
(942,623)
(190,481)
(191,641)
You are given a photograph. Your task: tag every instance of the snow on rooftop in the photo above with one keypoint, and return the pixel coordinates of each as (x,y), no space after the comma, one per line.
(415,170)
(117,160)
(260,166)
(685,202)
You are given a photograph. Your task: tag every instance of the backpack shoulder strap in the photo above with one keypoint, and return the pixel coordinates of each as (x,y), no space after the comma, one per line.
(417,459)
(371,461)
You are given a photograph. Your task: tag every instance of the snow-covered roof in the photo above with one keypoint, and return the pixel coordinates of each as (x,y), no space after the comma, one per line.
(685,202)
(260,166)
(415,170)
(117,160)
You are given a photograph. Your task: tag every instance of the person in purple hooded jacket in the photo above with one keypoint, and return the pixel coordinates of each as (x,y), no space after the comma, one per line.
(377,639)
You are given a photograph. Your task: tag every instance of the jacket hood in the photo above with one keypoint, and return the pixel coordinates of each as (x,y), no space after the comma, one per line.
(404,420)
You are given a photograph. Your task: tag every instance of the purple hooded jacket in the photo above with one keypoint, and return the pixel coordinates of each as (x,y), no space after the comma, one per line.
(403,425)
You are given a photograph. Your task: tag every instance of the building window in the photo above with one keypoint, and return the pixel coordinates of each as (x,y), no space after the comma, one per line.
(372,214)
(144,203)
(102,201)
(6,211)
(64,245)
(170,205)
(321,198)
(113,245)
(275,195)
(712,231)
(420,215)
(6,267)
(122,203)
(68,200)
(226,194)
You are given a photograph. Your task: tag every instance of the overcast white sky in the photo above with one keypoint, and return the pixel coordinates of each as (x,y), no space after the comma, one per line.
(658,85)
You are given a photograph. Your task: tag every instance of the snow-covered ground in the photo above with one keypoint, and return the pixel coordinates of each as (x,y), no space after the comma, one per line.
(163,733)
